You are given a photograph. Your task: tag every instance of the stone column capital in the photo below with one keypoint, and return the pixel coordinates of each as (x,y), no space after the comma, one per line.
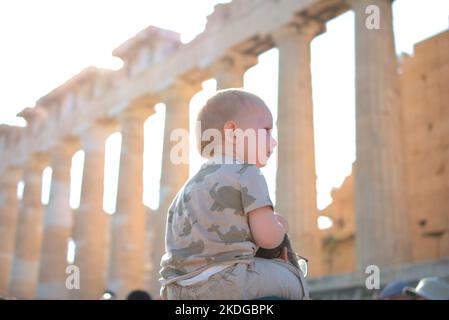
(304,30)
(138,110)
(233,61)
(97,133)
(179,91)
(230,69)
(11,175)
(61,161)
(66,147)
(38,161)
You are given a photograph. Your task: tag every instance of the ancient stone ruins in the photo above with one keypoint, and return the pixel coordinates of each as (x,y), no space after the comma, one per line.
(392,212)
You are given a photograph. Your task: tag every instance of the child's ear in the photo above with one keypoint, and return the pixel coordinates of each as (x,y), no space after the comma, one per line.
(229,131)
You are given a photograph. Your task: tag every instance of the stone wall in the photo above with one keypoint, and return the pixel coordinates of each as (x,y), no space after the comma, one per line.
(424,79)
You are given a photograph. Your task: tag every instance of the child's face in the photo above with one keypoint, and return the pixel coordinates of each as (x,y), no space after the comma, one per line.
(258,124)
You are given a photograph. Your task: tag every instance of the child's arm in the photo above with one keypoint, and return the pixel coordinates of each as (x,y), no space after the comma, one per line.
(282,221)
(267,231)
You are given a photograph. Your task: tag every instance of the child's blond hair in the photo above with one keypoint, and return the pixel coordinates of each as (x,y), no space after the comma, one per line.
(223,106)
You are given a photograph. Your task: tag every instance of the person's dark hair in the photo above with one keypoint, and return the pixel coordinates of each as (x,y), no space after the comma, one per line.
(138,295)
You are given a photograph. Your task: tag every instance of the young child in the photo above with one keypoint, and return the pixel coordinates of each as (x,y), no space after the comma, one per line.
(223,215)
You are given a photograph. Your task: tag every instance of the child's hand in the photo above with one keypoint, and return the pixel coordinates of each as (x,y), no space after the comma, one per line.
(284,254)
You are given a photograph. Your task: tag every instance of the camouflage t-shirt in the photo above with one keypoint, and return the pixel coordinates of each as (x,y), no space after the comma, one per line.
(207,222)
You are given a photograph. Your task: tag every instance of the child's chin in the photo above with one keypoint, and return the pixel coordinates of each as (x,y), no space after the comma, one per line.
(261,164)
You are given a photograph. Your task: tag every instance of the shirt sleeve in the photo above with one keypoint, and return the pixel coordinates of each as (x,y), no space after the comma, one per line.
(254,189)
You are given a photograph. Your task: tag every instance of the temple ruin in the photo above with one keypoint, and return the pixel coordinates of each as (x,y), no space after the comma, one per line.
(392,211)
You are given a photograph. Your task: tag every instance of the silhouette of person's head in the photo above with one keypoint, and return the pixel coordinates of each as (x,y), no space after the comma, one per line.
(138,295)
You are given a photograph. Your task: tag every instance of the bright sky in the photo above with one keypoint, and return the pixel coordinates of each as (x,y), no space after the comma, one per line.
(46,42)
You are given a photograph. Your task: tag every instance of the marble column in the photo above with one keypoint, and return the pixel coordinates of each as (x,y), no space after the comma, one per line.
(230,69)
(8,222)
(382,234)
(28,240)
(127,260)
(173,175)
(296,175)
(91,222)
(58,224)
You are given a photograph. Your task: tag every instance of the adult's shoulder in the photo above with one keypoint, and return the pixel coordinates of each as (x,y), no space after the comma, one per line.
(248,169)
